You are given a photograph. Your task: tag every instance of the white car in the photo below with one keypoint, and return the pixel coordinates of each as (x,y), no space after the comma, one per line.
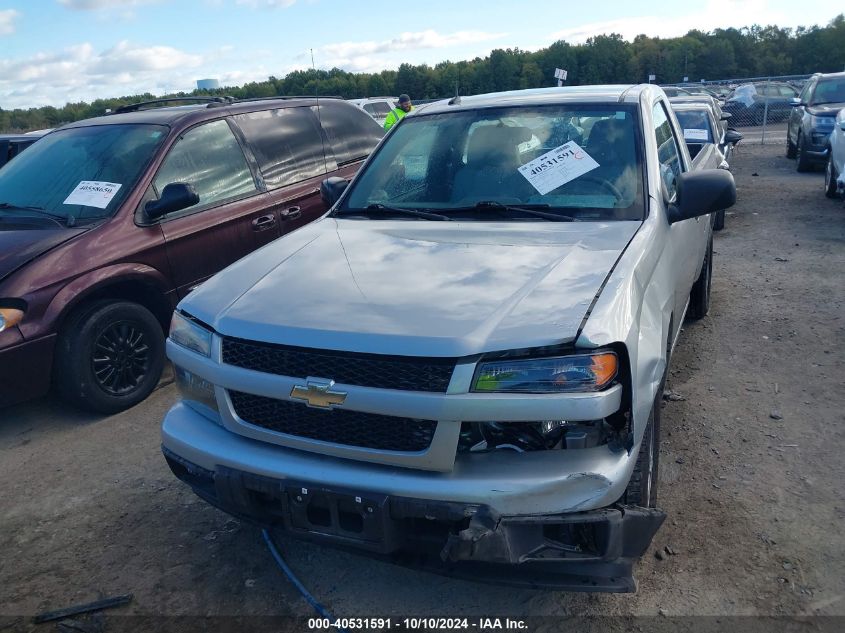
(376,107)
(834,173)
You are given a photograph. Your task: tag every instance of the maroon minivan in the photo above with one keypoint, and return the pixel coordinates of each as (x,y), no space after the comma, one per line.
(105,224)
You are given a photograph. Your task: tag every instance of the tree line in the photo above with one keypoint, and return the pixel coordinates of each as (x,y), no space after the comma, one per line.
(755,51)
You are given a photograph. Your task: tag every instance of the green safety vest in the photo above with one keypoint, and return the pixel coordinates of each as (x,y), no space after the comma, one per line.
(394,116)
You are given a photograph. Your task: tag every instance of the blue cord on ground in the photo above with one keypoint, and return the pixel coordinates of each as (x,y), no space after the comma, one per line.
(289,573)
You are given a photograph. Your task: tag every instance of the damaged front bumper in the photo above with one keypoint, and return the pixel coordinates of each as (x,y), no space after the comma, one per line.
(579,551)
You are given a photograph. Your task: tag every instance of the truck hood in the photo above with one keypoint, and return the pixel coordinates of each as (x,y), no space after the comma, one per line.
(413,288)
(19,245)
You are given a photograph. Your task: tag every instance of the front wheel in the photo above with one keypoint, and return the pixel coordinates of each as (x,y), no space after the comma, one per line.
(802,163)
(719,221)
(109,356)
(830,176)
(699,302)
(642,488)
(790,147)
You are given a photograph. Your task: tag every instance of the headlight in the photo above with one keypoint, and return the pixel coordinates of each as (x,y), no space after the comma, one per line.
(188,333)
(821,122)
(579,372)
(197,393)
(9,317)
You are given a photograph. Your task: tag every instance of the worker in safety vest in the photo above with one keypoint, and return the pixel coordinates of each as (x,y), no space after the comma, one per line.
(396,114)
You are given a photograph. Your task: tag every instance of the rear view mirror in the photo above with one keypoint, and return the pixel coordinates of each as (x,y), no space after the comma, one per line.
(174,197)
(332,188)
(725,116)
(795,101)
(702,192)
(842,125)
(733,137)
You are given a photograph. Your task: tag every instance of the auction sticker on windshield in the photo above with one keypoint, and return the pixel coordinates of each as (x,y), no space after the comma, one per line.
(695,135)
(557,167)
(92,193)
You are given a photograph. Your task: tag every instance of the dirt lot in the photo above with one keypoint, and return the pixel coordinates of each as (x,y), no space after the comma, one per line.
(751,470)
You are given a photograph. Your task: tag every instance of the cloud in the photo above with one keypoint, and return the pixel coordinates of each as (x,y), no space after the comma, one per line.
(715,14)
(7,21)
(267,4)
(368,56)
(97,5)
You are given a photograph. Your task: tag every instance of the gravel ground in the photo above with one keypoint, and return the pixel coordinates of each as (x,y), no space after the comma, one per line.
(751,472)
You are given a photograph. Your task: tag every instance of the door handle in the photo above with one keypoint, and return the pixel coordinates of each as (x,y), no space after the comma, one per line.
(264,222)
(291,213)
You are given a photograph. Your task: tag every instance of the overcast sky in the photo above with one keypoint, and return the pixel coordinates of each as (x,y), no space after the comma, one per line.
(55,51)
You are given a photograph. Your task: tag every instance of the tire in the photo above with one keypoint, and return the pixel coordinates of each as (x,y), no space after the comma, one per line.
(719,222)
(699,303)
(801,162)
(790,147)
(830,176)
(129,345)
(642,487)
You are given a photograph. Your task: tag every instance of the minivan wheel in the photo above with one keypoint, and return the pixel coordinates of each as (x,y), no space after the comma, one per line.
(642,487)
(699,302)
(109,356)
(830,176)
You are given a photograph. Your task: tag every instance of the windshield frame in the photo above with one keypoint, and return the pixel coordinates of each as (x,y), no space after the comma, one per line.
(341,208)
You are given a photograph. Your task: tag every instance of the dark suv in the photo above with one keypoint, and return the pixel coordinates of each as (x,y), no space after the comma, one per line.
(105,224)
(812,119)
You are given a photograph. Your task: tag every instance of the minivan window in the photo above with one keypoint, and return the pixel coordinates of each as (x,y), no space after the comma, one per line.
(532,163)
(50,175)
(209,158)
(352,134)
(287,144)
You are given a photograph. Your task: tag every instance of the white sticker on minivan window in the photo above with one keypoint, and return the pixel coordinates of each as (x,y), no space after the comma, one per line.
(695,135)
(93,193)
(557,167)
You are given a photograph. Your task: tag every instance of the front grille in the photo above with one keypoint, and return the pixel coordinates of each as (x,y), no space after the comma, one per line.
(338,426)
(350,368)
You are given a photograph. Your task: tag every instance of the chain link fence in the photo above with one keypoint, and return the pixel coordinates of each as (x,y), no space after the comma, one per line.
(759,106)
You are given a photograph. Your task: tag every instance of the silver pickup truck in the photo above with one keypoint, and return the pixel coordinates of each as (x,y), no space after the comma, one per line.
(460,366)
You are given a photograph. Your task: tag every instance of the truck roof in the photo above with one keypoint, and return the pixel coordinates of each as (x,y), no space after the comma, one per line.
(627,93)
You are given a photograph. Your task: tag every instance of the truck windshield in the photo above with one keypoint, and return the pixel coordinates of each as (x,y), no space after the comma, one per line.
(582,162)
(79,174)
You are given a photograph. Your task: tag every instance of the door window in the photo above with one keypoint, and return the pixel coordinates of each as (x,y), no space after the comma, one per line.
(667,150)
(209,158)
(352,134)
(287,144)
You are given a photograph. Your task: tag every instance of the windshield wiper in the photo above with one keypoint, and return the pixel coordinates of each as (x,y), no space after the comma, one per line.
(528,209)
(60,219)
(404,210)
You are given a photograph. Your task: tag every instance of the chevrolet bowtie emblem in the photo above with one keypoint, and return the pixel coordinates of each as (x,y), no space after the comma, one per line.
(318,393)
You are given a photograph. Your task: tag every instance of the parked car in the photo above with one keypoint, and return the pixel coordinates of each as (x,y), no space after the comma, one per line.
(812,119)
(13,144)
(376,107)
(706,139)
(751,103)
(674,91)
(694,89)
(106,223)
(468,357)
(834,173)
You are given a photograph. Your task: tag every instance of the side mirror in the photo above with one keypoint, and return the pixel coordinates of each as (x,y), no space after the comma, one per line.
(795,101)
(332,188)
(842,125)
(702,192)
(725,116)
(174,197)
(732,136)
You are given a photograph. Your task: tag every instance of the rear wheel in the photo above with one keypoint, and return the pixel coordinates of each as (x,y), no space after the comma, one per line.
(699,303)
(830,176)
(109,356)
(801,161)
